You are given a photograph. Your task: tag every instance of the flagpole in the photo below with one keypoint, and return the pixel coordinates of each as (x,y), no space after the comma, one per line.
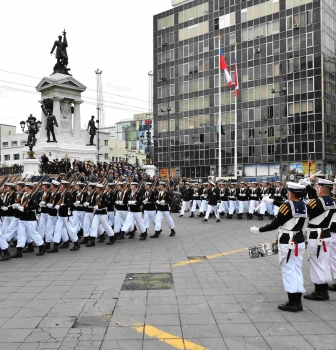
(220,113)
(235,141)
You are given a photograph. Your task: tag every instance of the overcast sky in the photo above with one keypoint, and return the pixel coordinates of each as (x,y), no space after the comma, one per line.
(114,36)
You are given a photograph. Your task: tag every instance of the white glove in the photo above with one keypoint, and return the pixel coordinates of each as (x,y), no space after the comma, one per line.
(77,202)
(4,208)
(95,207)
(57,207)
(162,202)
(157,202)
(49,205)
(42,203)
(254,229)
(267,200)
(86,204)
(305,182)
(131,202)
(15,206)
(145,201)
(21,208)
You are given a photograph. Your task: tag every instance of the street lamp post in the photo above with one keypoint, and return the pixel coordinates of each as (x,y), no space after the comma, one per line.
(97,121)
(33,128)
(148,141)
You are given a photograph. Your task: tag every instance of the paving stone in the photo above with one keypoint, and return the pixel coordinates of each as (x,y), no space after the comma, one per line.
(122,345)
(325,342)
(246,343)
(13,336)
(20,323)
(296,342)
(122,333)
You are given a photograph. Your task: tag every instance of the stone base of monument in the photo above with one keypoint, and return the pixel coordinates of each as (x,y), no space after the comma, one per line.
(149,169)
(30,167)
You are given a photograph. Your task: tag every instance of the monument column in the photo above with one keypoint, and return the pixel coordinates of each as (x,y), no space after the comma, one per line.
(57,114)
(43,131)
(77,120)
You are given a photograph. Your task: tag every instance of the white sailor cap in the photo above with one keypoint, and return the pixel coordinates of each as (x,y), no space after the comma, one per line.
(20,183)
(293,186)
(63,182)
(243,183)
(100,186)
(135,183)
(324,182)
(205,183)
(46,183)
(55,183)
(148,184)
(92,184)
(111,184)
(29,184)
(163,183)
(120,183)
(80,183)
(9,184)
(212,183)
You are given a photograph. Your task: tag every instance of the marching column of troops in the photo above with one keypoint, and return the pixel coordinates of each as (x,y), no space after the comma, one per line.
(51,214)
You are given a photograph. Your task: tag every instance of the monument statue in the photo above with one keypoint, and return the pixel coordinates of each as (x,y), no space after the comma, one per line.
(92,130)
(61,55)
(51,121)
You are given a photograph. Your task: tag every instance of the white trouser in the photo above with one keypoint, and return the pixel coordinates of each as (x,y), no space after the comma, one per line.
(149,215)
(98,221)
(253,205)
(266,206)
(50,228)
(210,209)
(27,230)
(243,206)
(204,206)
(42,224)
(12,229)
(185,205)
(120,217)
(64,226)
(128,225)
(3,243)
(196,202)
(224,207)
(5,223)
(159,217)
(319,267)
(110,215)
(78,219)
(232,207)
(333,254)
(88,217)
(292,276)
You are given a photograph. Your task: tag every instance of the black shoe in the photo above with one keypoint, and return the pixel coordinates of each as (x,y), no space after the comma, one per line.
(18,253)
(13,244)
(217,220)
(80,233)
(261,217)
(42,250)
(55,249)
(205,220)
(250,217)
(132,235)
(64,245)
(180,216)
(75,247)
(92,242)
(6,256)
(101,238)
(191,215)
(47,245)
(143,236)
(201,215)
(84,241)
(156,234)
(326,295)
(29,249)
(121,236)
(240,216)
(172,233)
(289,306)
(221,214)
(332,287)
(317,296)
(229,217)
(111,241)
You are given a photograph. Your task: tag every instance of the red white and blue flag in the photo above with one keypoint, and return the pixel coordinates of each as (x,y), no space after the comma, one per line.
(223,66)
(236,77)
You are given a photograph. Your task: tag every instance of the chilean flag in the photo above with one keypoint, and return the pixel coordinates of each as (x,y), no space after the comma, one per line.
(224,67)
(236,77)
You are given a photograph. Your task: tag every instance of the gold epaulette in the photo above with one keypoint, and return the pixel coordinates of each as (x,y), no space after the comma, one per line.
(284,210)
(312,203)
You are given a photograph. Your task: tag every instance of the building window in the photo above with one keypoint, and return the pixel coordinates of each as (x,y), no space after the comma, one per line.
(309,39)
(310,61)
(7,156)
(311,146)
(106,156)
(5,144)
(23,142)
(291,148)
(251,151)
(160,157)
(105,142)
(270,131)
(14,143)
(251,133)
(17,156)
(243,15)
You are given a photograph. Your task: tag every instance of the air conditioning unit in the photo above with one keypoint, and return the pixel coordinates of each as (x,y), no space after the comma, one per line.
(296,26)
(257,50)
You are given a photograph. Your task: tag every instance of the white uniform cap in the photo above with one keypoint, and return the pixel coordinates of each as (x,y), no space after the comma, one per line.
(65,182)
(121,183)
(212,183)
(80,183)
(46,183)
(148,183)
(100,186)
(163,183)
(295,186)
(324,182)
(9,184)
(135,183)
(92,184)
(56,183)
(29,184)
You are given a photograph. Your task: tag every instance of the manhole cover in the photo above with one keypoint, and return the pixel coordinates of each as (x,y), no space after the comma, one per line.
(147,281)
(196,257)
(92,321)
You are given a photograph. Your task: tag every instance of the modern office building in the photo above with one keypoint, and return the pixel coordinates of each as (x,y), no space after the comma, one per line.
(286,69)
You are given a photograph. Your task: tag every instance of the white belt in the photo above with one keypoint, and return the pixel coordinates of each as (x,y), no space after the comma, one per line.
(291,244)
(318,240)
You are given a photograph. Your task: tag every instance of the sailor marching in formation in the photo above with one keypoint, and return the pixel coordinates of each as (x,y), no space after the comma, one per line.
(51,214)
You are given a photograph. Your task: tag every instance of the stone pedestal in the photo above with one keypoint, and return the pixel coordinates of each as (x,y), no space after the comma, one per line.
(30,167)
(149,169)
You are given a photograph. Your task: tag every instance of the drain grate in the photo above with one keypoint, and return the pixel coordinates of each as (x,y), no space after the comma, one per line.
(196,257)
(148,281)
(92,321)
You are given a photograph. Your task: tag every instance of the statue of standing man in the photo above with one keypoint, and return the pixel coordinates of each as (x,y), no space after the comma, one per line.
(61,55)
(92,130)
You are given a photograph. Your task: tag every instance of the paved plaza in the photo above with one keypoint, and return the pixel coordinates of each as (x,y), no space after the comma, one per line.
(217,297)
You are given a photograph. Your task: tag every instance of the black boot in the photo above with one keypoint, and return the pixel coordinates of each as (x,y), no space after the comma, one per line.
(6,256)
(221,214)
(18,253)
(47,245)
(42,250)
(55,249)
(261,217)
(317,295)
(250,217)
(191,215)
(299,301)
(64,245)
(13,244)
(229,216)
(111,241)
(156,234)
(29,249)
(218,220)
(240,216)
(92,242)
(101,238)
(143,236)
(291,305)
(332,287)
(80,233)
(201,215)
(121,236)
(205,220)
(172,233)
(85,240)
(325,289)
(132,235)
(75,247)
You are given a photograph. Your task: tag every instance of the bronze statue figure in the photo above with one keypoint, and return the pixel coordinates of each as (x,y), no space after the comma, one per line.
(92,130)
(61,55)
(51,121)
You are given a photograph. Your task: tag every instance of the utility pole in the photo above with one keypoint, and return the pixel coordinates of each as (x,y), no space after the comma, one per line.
(100,99)
(150,92)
